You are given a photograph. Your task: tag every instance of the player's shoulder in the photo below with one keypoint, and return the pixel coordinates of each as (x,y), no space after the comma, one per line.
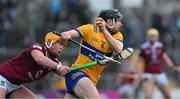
(159,44)
(119,36)
(40,47)
(85,29)
(37,46)
(87,26)
(118,33)
(145,45)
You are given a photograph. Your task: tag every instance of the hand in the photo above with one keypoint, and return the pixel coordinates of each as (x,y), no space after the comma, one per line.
(175,68)
(64,70)
(101,24)
(66,35)
(126,53)
(104,61)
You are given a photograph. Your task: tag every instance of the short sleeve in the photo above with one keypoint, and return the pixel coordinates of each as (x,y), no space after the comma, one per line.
(141,52)
(118,36)
(37,47)
(84,30)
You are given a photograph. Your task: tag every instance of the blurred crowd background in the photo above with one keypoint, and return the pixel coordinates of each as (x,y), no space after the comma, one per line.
(23,22)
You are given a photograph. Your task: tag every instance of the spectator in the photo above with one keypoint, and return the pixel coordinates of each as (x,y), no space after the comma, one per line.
(3,26)
(11,8)
(55,6)
(81,8)
(157,22)
(72,5)
(84,12)
(54,10)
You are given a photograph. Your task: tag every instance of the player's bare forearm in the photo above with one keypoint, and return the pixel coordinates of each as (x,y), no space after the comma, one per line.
(116,45)
(43,60)
(167,60)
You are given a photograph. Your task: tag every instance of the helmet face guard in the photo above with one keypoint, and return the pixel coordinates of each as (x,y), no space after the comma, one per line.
(112,25)
(113,14)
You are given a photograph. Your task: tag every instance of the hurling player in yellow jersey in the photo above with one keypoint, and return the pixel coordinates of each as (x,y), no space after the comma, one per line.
(105,40)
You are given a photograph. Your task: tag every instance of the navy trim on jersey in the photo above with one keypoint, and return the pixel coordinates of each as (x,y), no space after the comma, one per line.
(92,55)
(78,32)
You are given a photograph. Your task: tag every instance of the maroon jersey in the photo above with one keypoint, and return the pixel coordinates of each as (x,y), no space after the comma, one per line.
(152,56)
(23,68)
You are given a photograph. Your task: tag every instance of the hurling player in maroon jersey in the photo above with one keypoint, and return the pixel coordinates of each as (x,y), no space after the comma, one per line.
(153,53)
(30,65)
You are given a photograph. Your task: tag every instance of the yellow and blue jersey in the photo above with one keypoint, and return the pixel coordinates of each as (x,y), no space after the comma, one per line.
(97,42)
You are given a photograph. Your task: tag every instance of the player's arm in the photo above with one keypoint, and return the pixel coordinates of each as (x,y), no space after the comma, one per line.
(168,61)
(70,34)
(115,44)
(81,31)
(42,60)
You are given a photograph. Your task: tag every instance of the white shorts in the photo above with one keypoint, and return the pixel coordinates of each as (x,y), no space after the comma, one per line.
(8,86)
(161,79)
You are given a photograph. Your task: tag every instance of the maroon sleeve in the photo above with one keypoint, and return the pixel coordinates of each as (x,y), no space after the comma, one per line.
(141,52)
(37,47)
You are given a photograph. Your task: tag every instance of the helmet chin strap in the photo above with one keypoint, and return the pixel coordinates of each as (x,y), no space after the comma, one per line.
(113,25)
(48,46)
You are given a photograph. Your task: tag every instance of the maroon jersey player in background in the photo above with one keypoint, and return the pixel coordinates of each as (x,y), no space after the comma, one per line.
(153,54)
(31,65)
